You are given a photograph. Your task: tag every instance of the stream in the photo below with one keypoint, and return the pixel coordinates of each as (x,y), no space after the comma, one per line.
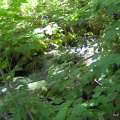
(86,51)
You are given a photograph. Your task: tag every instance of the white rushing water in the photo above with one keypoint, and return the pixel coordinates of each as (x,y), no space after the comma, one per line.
(85,51)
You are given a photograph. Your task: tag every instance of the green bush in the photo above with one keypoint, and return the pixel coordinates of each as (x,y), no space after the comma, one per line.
(74,91)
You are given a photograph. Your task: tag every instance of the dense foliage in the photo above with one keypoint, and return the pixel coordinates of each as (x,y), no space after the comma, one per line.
(71,90)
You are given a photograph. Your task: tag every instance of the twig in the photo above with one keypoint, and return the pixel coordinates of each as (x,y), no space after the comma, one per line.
(83,60)
(30,114)
(5,79)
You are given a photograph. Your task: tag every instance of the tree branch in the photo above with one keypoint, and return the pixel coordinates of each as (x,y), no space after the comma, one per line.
(5,79)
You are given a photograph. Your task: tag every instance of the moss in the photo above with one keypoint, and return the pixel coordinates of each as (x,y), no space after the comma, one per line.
(25,59)
(53,93)
(34,64)
(58,41)
(82,65)
(43,92)
(29,67)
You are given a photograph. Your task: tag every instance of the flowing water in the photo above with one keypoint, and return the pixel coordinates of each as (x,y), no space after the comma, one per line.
(86,51)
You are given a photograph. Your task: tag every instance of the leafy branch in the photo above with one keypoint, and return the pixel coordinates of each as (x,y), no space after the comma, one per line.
(11,90)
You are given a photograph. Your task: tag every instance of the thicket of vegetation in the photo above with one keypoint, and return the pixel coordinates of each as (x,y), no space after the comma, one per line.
(72,90)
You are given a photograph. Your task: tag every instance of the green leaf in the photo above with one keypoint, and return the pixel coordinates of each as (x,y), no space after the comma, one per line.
(73,117)
(113,9)
(79,109)
(73,94)
(102,99)
(21,101)
(109,108)
(77,101)
(1,59)
(17,68)
(19,113)
(111,96)
(111,34)
(34,45)
(65,104)
(57,101)
(4,64)
(88,89)
(25,49)
(3,108)
(100,116)
(47,112)
(98,90)
(61,114)
(118,87)
(93,102)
